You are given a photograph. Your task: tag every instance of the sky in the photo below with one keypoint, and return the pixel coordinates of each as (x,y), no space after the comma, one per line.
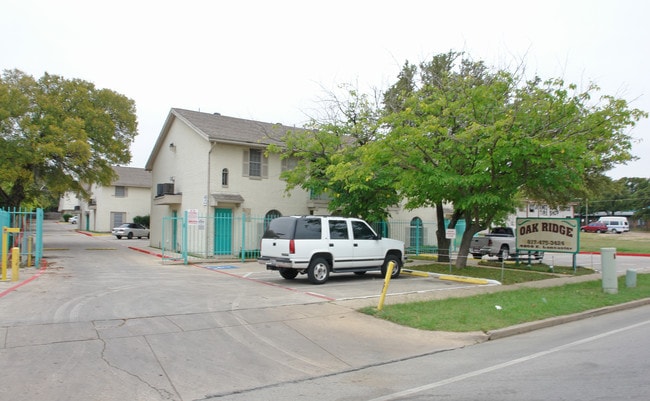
(273,61)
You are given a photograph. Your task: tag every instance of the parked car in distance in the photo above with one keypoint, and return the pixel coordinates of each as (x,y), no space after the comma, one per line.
(73,220)
(130,230)
(594,227)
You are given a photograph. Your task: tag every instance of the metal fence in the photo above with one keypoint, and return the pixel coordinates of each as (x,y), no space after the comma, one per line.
(24,229)
(222,237)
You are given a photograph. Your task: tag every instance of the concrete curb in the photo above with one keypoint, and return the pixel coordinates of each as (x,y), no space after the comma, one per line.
(555,321)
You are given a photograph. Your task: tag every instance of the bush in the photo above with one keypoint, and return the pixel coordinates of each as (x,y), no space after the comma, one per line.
(144,220)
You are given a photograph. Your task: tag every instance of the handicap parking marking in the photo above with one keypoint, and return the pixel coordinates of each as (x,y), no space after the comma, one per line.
(224,267)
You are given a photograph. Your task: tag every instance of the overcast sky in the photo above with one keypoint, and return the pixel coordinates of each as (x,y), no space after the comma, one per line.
(271,60)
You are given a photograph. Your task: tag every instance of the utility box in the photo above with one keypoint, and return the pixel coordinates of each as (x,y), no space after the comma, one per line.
(630,278)
(608,263)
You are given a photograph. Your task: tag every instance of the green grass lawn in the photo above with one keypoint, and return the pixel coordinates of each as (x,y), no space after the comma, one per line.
(513,273)
(624,243)
(506,308)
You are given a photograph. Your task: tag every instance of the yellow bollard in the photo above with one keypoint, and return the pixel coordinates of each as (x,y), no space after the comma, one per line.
(15,262)
(389,272)
(5,245)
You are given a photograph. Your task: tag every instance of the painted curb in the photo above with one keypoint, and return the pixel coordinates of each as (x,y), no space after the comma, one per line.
(556,321)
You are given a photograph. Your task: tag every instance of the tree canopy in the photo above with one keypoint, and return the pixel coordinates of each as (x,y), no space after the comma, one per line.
(453,130)
(59,135)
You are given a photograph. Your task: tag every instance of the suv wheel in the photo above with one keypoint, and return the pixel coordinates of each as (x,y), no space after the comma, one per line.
(318,271)
(396,269)
(288,274)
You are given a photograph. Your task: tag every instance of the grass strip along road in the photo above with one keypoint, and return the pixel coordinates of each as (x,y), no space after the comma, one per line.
(508,308)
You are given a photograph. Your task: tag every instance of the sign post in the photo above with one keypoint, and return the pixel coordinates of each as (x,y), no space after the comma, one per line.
(450,234)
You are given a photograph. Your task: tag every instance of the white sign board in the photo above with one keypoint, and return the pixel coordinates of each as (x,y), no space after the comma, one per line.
(548,235)
(450,233)
(193,217)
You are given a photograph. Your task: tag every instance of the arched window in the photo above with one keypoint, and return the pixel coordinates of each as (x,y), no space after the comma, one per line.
(416,240)
(270,215)
(224,177)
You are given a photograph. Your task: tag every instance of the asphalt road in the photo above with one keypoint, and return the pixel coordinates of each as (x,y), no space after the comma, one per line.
(603,358)
(106,322)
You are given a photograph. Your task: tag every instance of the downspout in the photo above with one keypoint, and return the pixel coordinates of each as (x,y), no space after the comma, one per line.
(207,203)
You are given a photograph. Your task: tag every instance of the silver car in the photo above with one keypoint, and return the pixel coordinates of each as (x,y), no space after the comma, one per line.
(130,230)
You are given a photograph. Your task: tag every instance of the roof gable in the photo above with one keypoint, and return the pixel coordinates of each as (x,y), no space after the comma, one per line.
(217,128)
(230,129)
(132,177)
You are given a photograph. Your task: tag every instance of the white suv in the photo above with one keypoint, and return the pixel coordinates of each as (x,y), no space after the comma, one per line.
(319,245)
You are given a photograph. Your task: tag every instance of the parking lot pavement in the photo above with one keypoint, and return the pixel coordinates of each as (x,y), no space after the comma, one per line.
(359,290)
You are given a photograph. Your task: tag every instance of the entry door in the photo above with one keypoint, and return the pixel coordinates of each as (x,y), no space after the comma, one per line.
(222,231)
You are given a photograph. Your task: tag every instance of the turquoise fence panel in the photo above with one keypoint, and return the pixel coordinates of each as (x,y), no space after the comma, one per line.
(30,237)
(226,236)
(171,239)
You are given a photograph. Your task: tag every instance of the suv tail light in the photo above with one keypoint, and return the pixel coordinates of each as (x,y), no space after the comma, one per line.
(292,246)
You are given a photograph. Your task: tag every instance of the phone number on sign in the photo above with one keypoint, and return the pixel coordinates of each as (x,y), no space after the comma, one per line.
(545,242)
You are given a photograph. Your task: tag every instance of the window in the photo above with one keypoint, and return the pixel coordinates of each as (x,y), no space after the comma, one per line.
(289,164)
(362,231)
(416,233)
(224,177)
(308,229)
(338,229)
(255,164)
(120,191)
(118,218)
(270,215)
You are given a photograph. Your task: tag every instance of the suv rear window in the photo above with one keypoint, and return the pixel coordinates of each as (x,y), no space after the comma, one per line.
(308,229)
(281,228)
(294,228)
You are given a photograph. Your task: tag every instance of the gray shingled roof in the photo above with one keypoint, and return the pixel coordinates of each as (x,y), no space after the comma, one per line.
(132,177)
(222,128)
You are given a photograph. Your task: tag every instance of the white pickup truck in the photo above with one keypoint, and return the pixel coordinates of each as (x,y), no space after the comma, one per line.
(498,242)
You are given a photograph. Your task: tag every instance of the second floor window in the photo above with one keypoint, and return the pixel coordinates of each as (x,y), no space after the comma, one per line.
(255,164)
(224,177)
(120,192)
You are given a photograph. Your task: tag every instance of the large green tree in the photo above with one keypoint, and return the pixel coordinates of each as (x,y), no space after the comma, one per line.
(628,194)
(330,161)
(484,139)
(59,135)
(454,131)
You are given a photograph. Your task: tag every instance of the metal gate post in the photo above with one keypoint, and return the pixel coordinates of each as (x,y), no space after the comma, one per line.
(184,234)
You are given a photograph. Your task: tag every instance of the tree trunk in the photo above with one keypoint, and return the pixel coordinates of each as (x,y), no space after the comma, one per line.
(471,228)
(443,242)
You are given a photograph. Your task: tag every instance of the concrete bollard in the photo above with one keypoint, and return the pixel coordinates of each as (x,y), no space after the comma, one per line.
(630,278)
(608,263)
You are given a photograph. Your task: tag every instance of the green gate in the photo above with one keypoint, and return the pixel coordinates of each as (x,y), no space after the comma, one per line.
(29,238)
